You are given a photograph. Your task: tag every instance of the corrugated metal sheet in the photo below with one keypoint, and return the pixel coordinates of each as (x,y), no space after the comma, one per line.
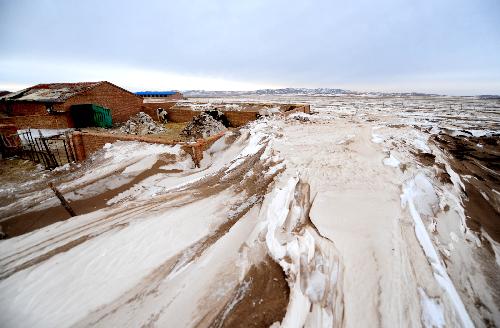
(155,93)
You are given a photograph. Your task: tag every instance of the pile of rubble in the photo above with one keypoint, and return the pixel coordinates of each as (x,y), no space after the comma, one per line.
(141,124)
(202,126)
(301,117)
(218,116)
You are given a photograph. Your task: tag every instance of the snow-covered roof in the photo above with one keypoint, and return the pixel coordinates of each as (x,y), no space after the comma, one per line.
(50,92)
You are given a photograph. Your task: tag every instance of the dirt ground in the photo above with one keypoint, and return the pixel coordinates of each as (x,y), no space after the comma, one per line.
(262,298)
(16,170)
(477,158)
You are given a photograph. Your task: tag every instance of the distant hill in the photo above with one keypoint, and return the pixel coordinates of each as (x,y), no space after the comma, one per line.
(207,93)
(489,96)
(298,91)
(302,91)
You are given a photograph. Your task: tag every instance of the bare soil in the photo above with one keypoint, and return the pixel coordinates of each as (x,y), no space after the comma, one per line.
(478,160)
(13,170)
(261,299)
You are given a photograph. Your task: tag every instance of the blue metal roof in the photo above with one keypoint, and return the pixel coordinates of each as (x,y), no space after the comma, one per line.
(156,93)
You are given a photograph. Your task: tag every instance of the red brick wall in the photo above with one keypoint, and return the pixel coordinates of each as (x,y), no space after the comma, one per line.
(237,119)
(95,141)
(25,108)
(86,143)
(181,115)
(59,121)
(123,104)
(8,129)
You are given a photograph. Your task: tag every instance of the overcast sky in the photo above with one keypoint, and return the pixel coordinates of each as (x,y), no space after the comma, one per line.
(441,46)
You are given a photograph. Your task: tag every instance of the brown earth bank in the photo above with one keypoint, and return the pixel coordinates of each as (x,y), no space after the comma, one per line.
(477,161)
(259,301)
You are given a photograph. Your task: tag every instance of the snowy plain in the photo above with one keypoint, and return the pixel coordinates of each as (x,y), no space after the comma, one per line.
(365,234)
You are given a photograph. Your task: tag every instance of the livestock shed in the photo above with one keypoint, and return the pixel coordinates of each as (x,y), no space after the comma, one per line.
(170,95)
(49,106)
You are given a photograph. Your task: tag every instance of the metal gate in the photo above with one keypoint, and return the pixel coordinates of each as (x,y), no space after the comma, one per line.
(51,151)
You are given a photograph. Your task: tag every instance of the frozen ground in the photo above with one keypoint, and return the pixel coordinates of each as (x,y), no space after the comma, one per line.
(359,215)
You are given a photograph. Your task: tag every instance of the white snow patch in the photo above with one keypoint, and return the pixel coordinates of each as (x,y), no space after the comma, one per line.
(316,286)
(276,214)
(421,145)
(185,164)
(377,138)
(419,203)
(347,139)
(65,167)
(495,245)
(391,161)
(144,164)
(432,311)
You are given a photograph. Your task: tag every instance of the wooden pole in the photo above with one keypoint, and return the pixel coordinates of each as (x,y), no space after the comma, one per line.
(64,203)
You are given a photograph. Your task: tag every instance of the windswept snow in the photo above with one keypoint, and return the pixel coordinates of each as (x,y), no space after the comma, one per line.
(391,161)
(432,312)
(350,217)
(420,198)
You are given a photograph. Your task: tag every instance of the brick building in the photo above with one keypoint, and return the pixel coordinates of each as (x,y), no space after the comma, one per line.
(49,105)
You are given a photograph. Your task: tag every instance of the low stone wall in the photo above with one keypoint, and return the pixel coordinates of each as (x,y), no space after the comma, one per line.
(86,143)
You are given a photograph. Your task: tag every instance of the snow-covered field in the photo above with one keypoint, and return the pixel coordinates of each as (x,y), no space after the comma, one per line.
(353,216)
